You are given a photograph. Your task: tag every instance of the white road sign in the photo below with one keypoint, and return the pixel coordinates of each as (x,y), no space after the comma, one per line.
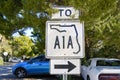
(64,39)
(65,66)
(65,13)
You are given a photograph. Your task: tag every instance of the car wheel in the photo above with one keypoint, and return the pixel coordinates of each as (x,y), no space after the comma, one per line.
(20,73)
(88,78)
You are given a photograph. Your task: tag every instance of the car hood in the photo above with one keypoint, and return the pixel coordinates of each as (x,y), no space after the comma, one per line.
(108,69)
(19,64)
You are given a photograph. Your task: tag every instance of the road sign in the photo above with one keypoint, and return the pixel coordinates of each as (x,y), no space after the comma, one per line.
(64,39)
(71,66)
(65,13)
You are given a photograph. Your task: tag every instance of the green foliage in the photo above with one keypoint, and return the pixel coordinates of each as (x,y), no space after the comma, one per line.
(101,19)
(22,46)
(1,61)
(40,40)
(4,45)
(8,11)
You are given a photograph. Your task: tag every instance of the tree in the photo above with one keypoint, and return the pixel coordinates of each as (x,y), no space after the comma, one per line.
(39,40)
(4,45)
(8,11)
(22,14)
(101,19)
(16,14)
(22,46)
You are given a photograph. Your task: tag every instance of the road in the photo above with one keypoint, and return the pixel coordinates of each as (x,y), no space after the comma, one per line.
(6,74)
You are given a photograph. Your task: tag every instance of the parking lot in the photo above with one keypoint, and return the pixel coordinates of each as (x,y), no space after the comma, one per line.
(6,74)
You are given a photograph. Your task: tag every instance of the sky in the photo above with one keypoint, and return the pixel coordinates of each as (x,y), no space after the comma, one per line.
(27,32)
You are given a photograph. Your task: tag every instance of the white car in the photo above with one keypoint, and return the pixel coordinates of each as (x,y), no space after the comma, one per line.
(101,69)
(14,60)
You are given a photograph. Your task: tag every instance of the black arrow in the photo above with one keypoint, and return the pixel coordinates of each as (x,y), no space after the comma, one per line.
(69,66)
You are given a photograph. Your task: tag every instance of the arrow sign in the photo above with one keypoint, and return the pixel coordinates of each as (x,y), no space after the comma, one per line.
(68,66)
(65,66)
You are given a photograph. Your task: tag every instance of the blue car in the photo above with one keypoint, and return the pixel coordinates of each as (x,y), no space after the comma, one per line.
(34,66)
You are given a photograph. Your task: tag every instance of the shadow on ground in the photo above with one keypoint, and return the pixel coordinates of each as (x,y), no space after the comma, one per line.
(41,77)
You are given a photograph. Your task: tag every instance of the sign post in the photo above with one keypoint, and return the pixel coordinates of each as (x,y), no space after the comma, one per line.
(65,41)
(64,76)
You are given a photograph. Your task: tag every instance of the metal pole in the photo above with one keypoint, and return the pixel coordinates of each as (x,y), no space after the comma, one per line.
(64,76)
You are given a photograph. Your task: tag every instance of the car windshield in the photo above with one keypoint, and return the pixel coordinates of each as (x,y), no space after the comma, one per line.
(108,63)
(39,58)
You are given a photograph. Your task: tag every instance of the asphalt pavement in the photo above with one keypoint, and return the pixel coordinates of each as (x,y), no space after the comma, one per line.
(6,74)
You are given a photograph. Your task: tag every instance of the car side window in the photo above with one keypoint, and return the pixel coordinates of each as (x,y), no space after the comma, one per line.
(108,63)
(39,59)
(35,60)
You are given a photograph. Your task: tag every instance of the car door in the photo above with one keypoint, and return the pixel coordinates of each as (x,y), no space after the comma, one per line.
(33,66)
(44,66)
(38,65)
